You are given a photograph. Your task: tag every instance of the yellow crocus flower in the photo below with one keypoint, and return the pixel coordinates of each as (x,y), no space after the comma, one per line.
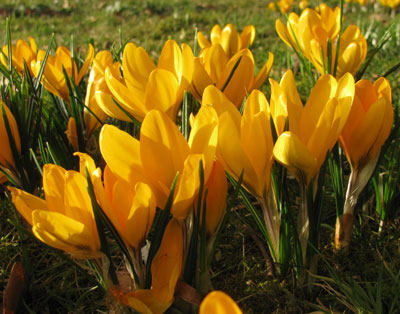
(218,302)
(6,156)
(314,128)
(229,38)
(65,219)
(166,269)
(310,33)
(367,127)
(53,76)
(369,122)
(144,86)
(162,153)
(22,51)
(245,143)
(214,67)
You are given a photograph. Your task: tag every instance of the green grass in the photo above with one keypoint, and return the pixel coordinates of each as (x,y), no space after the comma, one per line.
(239,268)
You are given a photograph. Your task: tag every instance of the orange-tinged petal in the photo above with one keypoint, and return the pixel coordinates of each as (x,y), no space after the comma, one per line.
(217,186)
(167,263)
(188,186)
(218,302)
(6,156)
(188,66)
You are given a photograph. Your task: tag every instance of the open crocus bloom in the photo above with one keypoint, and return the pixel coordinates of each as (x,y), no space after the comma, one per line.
(234,76)
(166,269)
(65,219)
(229,38)
(22,51)
(311,33)
(144,86)
(6,155)
(369,122)
(315,128)
(162,153)
(218,302)
(53,76)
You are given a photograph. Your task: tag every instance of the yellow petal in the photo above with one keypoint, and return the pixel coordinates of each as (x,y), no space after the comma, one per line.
(65,233)
(53,186)
(188,185)
(26,203)
(294,155)
(163,149)
(6,156)
(200,79)
(263,73)
(247,36)
(233,156)
(218,302)
(162,93)
(121,153)
(237,82)
(202,40)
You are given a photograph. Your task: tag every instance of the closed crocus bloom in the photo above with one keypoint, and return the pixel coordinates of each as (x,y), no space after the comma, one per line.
(284,5)
(22,51)
(6,156)
(234,76)
(166,269)
(64,220)
(144,86)
(245,143)
(229,38)
(369,122)
(162,153)
(314,128)
(53,76)
(97,89)
(311,33)
(367,127)
(218,302)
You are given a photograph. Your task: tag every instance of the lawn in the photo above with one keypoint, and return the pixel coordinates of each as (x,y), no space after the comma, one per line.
(363,278)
